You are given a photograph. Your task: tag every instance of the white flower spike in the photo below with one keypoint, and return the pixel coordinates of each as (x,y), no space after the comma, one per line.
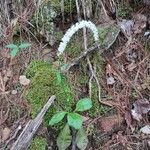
(72,30)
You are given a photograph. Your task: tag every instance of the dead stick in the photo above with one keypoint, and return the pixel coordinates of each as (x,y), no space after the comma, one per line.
(24,139)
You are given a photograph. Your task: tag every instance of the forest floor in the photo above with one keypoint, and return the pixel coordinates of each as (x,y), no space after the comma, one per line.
(124,80)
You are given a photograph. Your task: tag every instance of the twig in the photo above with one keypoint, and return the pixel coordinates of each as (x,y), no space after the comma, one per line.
(24,140)
(105,12)
(2,88)
(94,75)
(90,86)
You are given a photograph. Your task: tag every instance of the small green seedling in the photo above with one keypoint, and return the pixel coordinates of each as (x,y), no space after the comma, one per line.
(74,121)
(15,48)
(73,118)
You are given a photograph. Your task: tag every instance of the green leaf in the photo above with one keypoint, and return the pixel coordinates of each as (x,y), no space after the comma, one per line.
(81,139)
(14,52)
(64,138)
(83,104)
(58,74)
(12,46)
(24,45)
(57,118)
(74,120)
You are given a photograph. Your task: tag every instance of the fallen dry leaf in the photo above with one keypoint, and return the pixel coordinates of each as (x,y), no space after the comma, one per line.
(108,123)
(110,75)
(8,74)
(147,2)
(110,80)
(147,33)
(23,80)
(140,23)
(14,92)
(126,26)
(122,139)
(140,107)
(136,115)
(5,133)
(128,119)
(145,129)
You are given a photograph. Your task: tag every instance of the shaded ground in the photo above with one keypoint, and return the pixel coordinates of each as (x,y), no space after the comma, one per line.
(123,72)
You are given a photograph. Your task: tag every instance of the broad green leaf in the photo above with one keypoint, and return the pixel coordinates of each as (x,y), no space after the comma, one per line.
(74,120)
(57,118)
(64,138)
(24,45)
(12,46)
(81,139)
(83,104)
(58,74)
(14,52)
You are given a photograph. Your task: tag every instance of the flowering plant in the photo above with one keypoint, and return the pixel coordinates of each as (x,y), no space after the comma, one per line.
(72,30)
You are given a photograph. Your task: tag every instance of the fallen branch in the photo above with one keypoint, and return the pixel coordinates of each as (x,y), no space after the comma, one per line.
(24,139)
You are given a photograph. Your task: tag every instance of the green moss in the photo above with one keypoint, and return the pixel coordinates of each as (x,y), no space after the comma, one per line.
(124,11)
(74,47)
(103,33)
(44,83)
(38,143)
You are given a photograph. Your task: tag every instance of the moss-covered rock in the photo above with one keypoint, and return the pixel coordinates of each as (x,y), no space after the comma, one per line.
(38,143)
(46,81)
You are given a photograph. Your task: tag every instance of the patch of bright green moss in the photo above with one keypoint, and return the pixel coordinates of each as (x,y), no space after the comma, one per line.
(45,83)
(38,143)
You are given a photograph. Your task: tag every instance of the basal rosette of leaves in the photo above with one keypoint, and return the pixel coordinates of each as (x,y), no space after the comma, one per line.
(46,81)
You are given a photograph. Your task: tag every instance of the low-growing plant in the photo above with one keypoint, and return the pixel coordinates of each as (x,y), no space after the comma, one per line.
(16,48)
(47,80)
(73,121)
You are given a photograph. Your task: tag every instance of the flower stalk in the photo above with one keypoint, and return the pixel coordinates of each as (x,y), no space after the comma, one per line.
(73,29)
